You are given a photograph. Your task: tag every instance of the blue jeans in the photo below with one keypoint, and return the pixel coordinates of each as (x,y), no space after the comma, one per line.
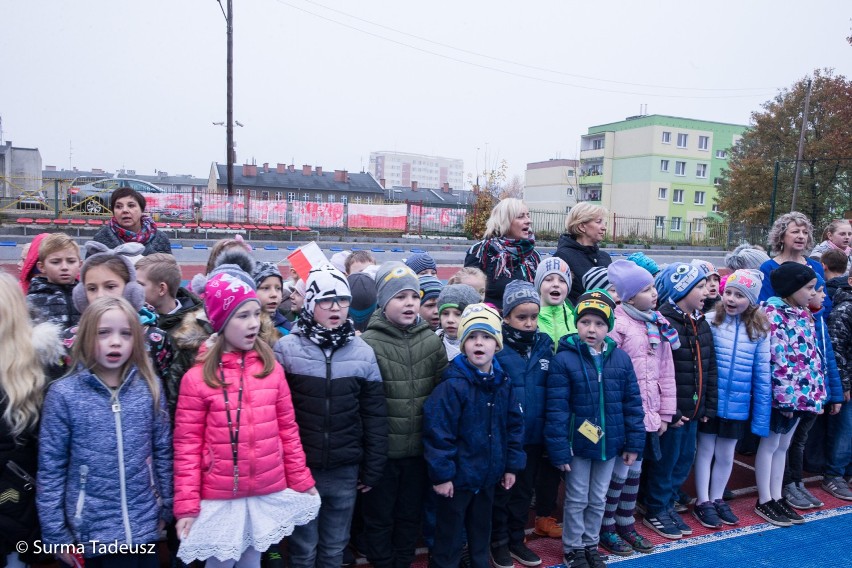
(838,453)
(320,543)
(666,474)
(585,497)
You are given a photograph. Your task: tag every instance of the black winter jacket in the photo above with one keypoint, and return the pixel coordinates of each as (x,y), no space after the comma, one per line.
(840,331)
(580,259)
(52,302)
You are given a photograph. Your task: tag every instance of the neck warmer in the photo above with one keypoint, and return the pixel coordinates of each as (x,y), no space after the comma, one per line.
(520,340)
(322,336)
(143,236)
(657,326)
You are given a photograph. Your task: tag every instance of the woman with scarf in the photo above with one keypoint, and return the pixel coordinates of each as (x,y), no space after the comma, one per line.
(507,250)
(585,228)
(129,224)
(836,236)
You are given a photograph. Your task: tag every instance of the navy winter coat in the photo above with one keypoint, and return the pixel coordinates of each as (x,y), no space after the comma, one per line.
(473,430)
(528,378)
(611,400)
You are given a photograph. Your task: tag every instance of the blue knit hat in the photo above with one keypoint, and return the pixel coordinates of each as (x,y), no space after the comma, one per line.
(678,279)
(420,261)
(645,262)
(430,287)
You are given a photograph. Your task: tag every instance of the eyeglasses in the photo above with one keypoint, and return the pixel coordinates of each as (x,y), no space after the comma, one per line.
(327,303)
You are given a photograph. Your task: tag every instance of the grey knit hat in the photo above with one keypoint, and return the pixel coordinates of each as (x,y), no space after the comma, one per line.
(420,261)
(263,270)
(392,278)
(458,296)
(552,265)
(597,277)
(745,256)
(519,292)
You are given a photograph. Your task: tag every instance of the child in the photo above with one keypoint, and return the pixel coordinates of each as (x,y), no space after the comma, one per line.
(552,282)
(430,289)
(473,439)
(525,358)
(834,263)
(411,359)
(358,261)
(593,418)
(49,295)
(270,286)
(241,483)
(644,261)
(712,285)
(363,305)
(646,336)
(218,249)
(740,337)
(696,391)
(422,264)
(105,448)
(598,278)
(28,261)
(838,463)
(328,400)
(452,301)
(473,277)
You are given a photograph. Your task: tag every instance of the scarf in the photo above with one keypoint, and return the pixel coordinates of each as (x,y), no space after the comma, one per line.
(149,228)
(847,251)
(697,315)
(656,324)
(507,256)
(520,340)
(322,336)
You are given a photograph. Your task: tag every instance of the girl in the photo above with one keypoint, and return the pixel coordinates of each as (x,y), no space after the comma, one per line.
(740,336)
(105,453)
(241,482)
(473,277)
(836,236)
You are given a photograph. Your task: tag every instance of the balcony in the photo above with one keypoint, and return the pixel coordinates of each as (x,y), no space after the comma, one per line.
(592,178)
(591,153)
(590,194)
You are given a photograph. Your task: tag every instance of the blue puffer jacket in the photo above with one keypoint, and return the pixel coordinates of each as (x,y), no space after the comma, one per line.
(528,377)
(744,383)
(105,462)
(833,385)
(575,392)
(473,429)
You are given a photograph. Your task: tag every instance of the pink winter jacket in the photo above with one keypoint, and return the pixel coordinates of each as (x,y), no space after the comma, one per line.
(269,454)
(654,369)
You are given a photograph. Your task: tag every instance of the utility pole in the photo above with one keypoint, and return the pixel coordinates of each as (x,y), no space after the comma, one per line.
(801,146)
(230,96)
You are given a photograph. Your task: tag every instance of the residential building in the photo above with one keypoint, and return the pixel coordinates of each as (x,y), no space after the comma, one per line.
(20,170)
(551,185)
(432,197)
(399,169)
(657,167)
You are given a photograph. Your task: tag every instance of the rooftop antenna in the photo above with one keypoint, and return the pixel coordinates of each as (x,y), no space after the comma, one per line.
(70,156)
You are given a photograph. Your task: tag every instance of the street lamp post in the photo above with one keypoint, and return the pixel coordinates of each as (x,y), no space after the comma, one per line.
(230,96)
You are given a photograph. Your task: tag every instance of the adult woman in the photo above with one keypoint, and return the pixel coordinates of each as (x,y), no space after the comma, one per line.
(837,235)
(585,228)
(507,250)
(790,236)
(129,224)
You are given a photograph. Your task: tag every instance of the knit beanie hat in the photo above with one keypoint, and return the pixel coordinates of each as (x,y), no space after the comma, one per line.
(519,292)
(552,265)
(393,277)
(645,261)
(628,278)
(338,260)
(746,256)
(430,287)
(789,277)
(363,289)
(596,302)
(133,291)
(706,267)
(324,282)
(458,296)
(224,293)
(597,277)
(678,279)
(231,258)
(747,281)
(263,270)
(481,317)
(420,261)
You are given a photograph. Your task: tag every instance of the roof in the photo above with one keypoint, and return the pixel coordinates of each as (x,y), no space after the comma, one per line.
(429,196)
(356,182)
(168,180)
(553,163)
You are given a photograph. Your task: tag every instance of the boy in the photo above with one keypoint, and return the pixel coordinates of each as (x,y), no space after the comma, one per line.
(473,439)
(552,282)
(525,358)
(422,264)
(270,292)
(430,289)
(584,436)
(411,359)
(684,286)
(598,278)
(50,293)
(712,285)
(452,301)
(838,463)
(834,263)
(358,261)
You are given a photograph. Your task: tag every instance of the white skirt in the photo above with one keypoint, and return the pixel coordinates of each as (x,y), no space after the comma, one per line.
(225,528)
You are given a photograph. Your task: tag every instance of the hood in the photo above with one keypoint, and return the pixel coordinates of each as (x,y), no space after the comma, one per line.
(477,378)
(192,332)
(574,343)
(843,294)
(30,262)
(47,342)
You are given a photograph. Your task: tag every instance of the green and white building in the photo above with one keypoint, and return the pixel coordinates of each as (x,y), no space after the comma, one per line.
(656,171)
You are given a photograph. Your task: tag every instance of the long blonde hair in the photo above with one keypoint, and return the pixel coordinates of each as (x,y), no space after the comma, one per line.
(83,352)
(212,358)
(21,374)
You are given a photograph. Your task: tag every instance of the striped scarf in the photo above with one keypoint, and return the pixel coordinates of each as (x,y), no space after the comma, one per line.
(506,255)
(657,325)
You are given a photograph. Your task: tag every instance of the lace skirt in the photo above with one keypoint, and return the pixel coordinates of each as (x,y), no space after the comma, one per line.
(225,528)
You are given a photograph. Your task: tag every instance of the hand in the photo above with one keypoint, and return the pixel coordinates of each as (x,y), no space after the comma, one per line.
(508,481)
(564,467)
(183,526)
(444,489)
(703,419)
(835,408)
(663,427)
(66,558)
(311,491)
(679,423)
(363,488)
(787,414)
(629,458)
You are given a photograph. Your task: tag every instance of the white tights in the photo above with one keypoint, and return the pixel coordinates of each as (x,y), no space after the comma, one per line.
(711,476)
(769,464)
(249,559)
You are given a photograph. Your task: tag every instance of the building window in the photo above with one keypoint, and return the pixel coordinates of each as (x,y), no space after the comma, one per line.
(264,195)
(663,193)
(356,200)
(344,199)
(660,222)
(331,198)
(717,181)
(570,173)
(239,192)
(677,196)
(570,191)
(318,197)
(667,139)
(681,140)
(676,224)
(278,196)
(722,154)
(664,165)
(680,168)
(699,198)
(369,200)
(701,171)
(715,208)
(306,197)
(597,144)
(703,142)
(291,196)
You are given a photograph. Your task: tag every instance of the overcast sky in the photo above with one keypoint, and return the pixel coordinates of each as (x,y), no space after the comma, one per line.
(112,84)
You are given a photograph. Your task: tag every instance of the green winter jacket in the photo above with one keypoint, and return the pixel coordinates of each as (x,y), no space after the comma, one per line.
(556,321)
(411,362)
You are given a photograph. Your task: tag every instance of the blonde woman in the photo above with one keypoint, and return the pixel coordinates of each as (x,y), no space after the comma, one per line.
(585,228)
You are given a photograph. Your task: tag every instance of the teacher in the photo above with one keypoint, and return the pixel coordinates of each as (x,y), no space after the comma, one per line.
(790,237)
(129,224)
(507,249)
(585,228)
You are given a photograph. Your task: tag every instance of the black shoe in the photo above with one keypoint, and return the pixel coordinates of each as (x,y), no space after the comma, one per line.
(500,557)
(771,514)
(576,559)
(272,558)
(593,557)
(524,555)
(728,495)
(788,511)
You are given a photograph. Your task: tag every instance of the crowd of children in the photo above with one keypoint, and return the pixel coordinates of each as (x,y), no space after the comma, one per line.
(364,401)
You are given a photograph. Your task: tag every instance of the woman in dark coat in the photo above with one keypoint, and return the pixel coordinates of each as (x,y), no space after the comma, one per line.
(129,224)
(585,228)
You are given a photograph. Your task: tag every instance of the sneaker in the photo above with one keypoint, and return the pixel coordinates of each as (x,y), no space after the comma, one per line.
(500,557)
(613,542)
(838,487)
(271,558)
(576,559)
(593,557)
(638,542)
(788,512)
(771,514)
(663,525)
(684,528)
(524,555)
(349,560)
(795,498)
(728,495)
(725,514)
(547,526)
(640,508)
(808,495)
(683,501)
(706,514)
